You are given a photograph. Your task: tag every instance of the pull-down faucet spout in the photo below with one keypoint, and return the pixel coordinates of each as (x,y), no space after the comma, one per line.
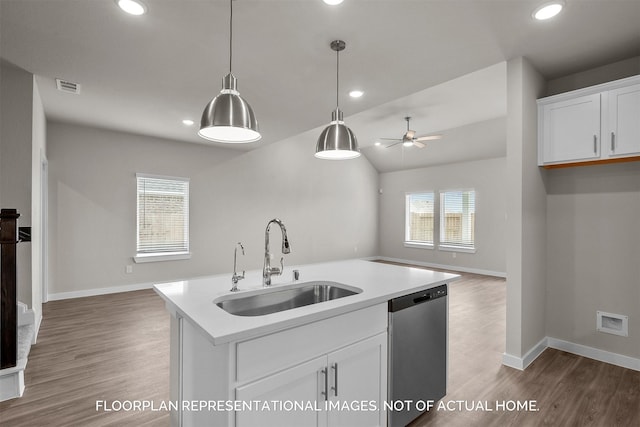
(267,270)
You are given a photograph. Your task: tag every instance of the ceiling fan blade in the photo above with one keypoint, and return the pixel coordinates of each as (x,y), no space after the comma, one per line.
(428,138)
(391,139)
(418,144)
(410,134)
(394,144)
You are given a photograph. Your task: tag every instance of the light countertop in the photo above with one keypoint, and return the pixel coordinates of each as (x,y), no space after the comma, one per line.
(193,298)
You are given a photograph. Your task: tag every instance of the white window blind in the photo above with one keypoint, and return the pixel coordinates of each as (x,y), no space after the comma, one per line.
(163,215)
(419,218)
(457,218)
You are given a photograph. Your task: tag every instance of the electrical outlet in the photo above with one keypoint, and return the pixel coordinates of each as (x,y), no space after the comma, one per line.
(128,269)
(453,254)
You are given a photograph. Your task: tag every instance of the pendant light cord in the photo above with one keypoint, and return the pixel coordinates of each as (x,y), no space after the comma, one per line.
(230,34)
(337,77)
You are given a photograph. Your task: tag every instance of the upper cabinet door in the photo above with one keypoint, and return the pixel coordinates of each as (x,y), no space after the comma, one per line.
(624,122)
(571,131)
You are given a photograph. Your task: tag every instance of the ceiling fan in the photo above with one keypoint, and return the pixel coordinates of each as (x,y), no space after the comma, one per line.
(409,138)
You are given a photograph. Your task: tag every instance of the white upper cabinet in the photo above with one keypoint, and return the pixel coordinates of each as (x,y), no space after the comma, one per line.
(572,130)
(623,132)
(595,124)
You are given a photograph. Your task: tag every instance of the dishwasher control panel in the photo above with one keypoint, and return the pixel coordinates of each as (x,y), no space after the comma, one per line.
(417,298)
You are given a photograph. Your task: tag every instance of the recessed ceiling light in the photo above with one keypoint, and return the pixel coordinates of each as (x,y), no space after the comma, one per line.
(332,2)
(548,10)
(356,93)
(187,122)
(377,143)
(132,7)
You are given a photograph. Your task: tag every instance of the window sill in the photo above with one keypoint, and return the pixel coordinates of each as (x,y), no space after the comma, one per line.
(418,245)
(463,249)
(169,256)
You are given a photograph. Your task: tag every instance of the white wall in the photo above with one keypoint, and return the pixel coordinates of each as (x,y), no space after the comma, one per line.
(329,207)
(487,177)
(526,213)
(38,194)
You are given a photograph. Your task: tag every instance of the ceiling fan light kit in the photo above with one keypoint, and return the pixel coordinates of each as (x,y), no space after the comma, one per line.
(337,141)
(228,118)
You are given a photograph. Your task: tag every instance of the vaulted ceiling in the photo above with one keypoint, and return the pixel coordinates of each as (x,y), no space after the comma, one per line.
(433,60)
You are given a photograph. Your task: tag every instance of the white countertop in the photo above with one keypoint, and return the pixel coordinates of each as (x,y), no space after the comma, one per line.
(193,298)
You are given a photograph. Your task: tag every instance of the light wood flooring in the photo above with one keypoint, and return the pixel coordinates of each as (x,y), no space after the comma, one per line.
(116,347)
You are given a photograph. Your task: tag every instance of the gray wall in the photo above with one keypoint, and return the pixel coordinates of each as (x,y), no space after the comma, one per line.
(593,253)
(16,107)
(487,177)
(593,234)
(615,71)
(329,207)
(526,212)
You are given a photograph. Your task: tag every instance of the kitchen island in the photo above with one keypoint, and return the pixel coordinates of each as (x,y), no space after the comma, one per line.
(320,364)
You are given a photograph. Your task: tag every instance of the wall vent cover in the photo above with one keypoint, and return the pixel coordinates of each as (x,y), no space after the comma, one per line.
(610,323)
(67,86)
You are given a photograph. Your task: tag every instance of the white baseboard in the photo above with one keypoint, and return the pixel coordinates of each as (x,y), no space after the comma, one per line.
(37,327)
(99,291)
(573,348)
(442,266)
(595,353)
(521,363)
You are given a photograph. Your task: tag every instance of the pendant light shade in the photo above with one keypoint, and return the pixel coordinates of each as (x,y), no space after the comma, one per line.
(228,117)
(337,141)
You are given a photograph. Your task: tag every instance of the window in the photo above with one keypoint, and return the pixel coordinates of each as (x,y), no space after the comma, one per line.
(163,218)
(420,219)
(457,219)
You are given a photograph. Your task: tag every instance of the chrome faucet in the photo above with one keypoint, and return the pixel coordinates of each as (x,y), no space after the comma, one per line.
(267,270)
(236,277)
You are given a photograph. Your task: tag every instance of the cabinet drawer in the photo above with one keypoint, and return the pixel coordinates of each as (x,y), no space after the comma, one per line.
(262,356)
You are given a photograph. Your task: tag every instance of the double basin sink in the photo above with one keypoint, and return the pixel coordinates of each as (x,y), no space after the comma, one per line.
(274,300)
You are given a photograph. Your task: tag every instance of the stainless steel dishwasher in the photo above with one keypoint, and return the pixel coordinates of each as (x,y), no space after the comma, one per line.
(417,352)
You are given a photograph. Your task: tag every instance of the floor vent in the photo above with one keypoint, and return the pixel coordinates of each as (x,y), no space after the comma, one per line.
(67,86)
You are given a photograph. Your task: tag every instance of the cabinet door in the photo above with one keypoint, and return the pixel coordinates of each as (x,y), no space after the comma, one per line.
(358,384)
(301,384)
(572,130)
(624,122)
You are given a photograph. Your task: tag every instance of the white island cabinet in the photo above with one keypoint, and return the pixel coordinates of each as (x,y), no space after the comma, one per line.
(598,124)
(323,364)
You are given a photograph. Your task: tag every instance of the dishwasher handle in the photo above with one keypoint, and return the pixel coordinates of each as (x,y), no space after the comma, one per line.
(423,298)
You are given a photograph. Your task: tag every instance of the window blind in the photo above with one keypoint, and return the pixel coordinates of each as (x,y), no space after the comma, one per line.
(457,218)
(163,215)
(420,219)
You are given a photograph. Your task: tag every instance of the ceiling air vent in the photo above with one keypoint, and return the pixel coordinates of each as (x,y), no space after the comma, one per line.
(67,86)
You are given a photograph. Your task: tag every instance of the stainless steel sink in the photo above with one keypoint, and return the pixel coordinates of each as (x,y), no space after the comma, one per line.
(276,300)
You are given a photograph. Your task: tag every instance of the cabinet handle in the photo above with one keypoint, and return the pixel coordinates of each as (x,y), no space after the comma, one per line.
(613,141)
(324,392)
(335,379)
(595,144)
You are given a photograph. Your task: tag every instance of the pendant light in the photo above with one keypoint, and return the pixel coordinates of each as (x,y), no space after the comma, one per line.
(228,117)
(337,141)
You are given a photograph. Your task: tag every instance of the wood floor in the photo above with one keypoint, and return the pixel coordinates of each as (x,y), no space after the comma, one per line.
(116,347)
(111,347)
